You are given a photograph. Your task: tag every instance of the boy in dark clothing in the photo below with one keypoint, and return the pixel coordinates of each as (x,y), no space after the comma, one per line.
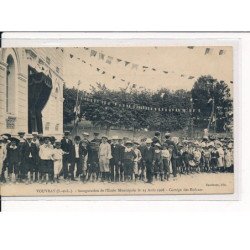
(142,165)
(13,159)
(158,166)
(93,160)
(117,152)
(128,160)
(77,157)
(66,146)
(30,159)
(148,160)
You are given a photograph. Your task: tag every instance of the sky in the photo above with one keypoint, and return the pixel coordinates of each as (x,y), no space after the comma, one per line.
(176,60)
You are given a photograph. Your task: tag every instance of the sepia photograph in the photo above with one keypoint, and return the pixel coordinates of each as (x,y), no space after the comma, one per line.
(117,120)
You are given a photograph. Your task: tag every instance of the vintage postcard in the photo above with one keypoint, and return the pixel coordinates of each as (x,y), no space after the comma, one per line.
(117,120)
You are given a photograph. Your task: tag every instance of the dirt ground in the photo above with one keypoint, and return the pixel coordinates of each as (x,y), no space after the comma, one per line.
(199,183)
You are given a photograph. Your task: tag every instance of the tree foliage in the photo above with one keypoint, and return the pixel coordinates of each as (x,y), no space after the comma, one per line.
(112,115)
(207,88)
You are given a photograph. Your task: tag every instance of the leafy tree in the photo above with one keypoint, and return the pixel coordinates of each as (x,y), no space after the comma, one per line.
(204,90)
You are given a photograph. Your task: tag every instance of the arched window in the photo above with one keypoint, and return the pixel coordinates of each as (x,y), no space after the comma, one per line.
(10,86)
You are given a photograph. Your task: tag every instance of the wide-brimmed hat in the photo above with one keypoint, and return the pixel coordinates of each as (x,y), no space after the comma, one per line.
(14,139)
(96,133)
(21,133)
(57,141)
(167,134)
(158,145)
(149,140)
(34,133)
(66,132)
(128,143)
(6,136)
(85,133)
(115,137)
(28,136)
(104,136)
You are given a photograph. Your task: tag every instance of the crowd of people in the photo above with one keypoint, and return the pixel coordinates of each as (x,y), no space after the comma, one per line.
(35,158)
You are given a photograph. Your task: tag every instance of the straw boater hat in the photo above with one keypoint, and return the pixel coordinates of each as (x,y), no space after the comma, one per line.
(28,136)
(34,133)
(104,136)
(148,140)
(85,133)
(114,137)
(21,133)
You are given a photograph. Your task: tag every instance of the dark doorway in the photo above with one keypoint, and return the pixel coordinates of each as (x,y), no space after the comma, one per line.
(39,90)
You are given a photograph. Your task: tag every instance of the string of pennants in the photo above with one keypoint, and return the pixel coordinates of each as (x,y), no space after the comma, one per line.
(134,66)
(106,103)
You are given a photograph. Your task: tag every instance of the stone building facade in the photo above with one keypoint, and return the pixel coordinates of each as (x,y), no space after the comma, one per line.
(31,90)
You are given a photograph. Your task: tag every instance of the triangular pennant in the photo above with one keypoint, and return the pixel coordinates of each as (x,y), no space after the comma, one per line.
(222,52)
(71,56)
(145,67)
(134,66)
(113,77)
(118,60)
(123,80)
(109,59)
(126,63)
(103,72)
(83,61)
(93,52)
(98,69)
(153,69)
(86,48)
(101,56)
(191,77)
(166,72)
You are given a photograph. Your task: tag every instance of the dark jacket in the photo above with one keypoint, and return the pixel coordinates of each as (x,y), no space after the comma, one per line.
(13,155)
(148,154)
(82,152)
(117,152)
(93,150)
(66,146)
(28,150)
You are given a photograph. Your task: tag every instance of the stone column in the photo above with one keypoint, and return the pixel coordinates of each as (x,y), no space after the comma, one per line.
(3,68)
